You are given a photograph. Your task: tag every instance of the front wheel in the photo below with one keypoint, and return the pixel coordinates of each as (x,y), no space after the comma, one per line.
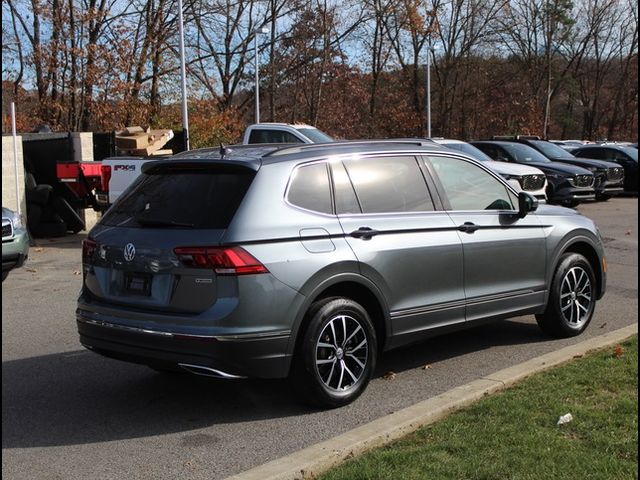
(5,274)
(336,357)
(572,299)
(601,197)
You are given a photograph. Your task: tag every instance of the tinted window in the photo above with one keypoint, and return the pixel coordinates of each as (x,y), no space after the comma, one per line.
(469,150)
(346,201)
(596,153)
(389,184)
(315,135)
(309,188)
(182,197)
(272,136)
(490,150)
(524,153)
(550,150)
(468,187)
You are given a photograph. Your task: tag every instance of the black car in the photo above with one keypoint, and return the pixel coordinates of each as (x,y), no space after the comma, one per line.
(608,176)
(623,155)
(567,184)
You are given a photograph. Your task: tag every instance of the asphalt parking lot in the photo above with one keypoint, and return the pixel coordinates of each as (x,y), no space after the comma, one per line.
(70,414)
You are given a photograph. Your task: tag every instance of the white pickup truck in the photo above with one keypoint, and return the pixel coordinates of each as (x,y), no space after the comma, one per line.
(120,172)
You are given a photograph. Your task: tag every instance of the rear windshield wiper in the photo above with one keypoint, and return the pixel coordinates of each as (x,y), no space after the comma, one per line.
(158,222)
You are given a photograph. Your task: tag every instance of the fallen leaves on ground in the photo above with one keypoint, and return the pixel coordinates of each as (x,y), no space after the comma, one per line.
(389,376)
(618,351)
(603,325)
(427,366)
(32,270)
(39,249)
(77,272)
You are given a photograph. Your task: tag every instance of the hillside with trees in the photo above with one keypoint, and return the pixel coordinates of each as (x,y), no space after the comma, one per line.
(355,69)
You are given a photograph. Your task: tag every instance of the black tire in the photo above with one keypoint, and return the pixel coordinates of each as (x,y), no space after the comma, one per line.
(5,274)
(570,203)
(68,214)
(345,327)
(572,298)
(34,215)
(601,197)
(39,194)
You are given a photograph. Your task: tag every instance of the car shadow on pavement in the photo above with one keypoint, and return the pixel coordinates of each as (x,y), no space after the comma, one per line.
(79,397)
(518,331)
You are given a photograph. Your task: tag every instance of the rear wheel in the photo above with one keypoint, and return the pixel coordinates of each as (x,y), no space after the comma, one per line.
(5,274)
(572,299)
(337,354)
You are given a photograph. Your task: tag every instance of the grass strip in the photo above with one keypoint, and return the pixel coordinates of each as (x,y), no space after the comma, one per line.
(513,434)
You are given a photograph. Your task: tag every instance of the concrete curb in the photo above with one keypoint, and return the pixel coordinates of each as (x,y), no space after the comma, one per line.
(315,459)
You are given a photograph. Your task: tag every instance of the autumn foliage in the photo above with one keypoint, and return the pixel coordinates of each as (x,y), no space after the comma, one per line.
(355,69)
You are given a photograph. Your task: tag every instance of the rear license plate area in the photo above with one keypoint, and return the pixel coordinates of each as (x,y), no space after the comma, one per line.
(137,284)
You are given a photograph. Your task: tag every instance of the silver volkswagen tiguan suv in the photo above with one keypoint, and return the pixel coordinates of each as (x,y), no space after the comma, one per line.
(309,261)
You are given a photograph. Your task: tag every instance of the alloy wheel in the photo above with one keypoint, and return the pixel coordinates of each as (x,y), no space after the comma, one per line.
(576,297)
(342,352)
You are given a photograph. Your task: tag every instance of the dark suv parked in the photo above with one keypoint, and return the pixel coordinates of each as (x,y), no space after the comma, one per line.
(608,176)
(309,261)
(567,185)
(625,156)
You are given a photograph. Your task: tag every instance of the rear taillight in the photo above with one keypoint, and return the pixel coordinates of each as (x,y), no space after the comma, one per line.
(224,261)
(105,176)
(89,247)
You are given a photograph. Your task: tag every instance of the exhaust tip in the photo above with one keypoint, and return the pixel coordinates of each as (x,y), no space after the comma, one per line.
(208,371)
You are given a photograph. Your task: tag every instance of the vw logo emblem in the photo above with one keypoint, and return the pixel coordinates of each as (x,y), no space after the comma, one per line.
(129,252)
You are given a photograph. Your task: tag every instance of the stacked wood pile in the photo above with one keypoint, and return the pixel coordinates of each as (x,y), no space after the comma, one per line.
(137,141)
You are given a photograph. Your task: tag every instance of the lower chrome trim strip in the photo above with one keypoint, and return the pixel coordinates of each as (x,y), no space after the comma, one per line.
(459,303)
(159,333)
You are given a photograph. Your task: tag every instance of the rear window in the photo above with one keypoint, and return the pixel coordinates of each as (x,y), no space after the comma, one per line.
(310,188)
(272,136)
(202,197)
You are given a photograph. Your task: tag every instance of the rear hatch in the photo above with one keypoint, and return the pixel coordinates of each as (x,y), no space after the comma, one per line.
(158,246)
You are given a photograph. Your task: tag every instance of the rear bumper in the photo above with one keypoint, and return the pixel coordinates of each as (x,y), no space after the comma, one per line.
(256,355)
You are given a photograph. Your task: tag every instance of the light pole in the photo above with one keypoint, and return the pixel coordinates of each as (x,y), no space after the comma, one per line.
(256,32)
(183,79)
(428,87)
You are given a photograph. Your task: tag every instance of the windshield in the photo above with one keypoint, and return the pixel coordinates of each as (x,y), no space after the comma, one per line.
(550,150)
(525,153)
(315,135)
(469,150)
(631,151)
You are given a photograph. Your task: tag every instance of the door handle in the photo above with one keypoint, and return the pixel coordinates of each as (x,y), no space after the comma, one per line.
(365,233)
(468,227)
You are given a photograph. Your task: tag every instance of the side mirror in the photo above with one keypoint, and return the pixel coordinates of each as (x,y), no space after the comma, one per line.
(526,203)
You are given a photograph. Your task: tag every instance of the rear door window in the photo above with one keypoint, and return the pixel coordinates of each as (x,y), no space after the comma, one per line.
(185,196)
(389,184)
